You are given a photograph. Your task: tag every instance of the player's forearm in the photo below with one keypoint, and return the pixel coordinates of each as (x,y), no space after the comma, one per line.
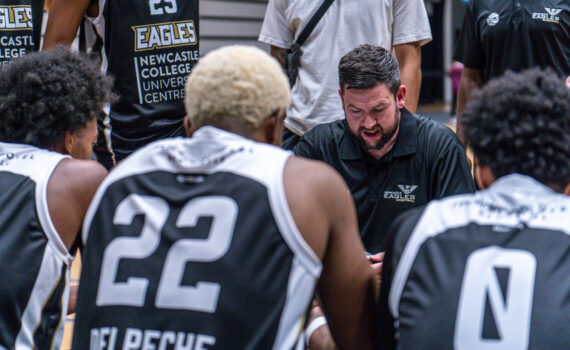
(279,54)
(471,81)
(63,21)
(409,61)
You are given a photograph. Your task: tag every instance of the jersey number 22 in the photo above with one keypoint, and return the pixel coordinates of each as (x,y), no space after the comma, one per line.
(170,294)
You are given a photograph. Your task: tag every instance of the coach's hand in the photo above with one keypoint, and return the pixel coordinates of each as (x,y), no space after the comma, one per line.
(377,261)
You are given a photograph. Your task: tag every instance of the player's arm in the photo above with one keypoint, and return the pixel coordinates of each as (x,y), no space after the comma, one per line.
(347,287)
(70,191)
(63,21)
(348,291)
(471,80)
(409,58)
(279,53)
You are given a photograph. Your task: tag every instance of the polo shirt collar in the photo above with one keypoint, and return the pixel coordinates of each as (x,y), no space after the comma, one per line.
(406,142)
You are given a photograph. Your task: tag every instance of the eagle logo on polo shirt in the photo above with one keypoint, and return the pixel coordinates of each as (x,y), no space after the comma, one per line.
(404,195)
(549,16)
(493,19)
(407,189)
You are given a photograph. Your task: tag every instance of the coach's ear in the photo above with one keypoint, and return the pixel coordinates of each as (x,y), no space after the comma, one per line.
(188,126)
(567,190)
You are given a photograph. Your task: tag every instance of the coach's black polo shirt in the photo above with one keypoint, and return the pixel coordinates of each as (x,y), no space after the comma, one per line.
(515,35)
(426,162)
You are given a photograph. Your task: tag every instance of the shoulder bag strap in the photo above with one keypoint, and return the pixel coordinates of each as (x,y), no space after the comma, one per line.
(313,22)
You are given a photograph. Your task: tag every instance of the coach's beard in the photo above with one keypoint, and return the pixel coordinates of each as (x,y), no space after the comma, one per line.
(386,134)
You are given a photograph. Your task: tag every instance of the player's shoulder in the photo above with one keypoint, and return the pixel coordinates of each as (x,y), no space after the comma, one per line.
(435,137)
(315,175)
(78,174)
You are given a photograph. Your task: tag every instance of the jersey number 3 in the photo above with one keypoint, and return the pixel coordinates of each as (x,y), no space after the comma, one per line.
(170,294)
(169,7)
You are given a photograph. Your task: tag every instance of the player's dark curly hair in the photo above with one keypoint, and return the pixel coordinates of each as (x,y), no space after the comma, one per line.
(366,66)
(520,123)
(45,94)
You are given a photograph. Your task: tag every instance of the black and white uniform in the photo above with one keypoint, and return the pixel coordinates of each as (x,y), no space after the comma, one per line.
(483,271)
(191,242)
(149,47)
(19,34)
(34,268)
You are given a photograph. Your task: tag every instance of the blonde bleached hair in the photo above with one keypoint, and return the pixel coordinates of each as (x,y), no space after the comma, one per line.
(235,84)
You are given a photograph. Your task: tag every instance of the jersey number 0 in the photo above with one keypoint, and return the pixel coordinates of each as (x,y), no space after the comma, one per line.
(170,294)
(511,311)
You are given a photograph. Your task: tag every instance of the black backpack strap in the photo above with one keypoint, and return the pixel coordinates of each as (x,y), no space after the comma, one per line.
(313,22)
(37,18)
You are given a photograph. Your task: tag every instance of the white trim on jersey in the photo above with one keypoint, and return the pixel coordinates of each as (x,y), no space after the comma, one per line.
(39,170)
(42,291)
(299,287)
(286,223)
(38,165)
(509,192)
(100,23)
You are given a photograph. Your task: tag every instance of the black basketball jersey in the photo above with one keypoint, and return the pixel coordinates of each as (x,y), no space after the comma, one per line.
(190,244)
(19,34)
(150,47)
(483,271)
(34,268)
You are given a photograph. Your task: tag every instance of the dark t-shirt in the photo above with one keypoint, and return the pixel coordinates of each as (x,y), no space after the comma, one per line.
(515,35)
(426,162)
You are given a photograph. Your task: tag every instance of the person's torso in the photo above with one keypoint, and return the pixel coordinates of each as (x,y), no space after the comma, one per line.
(149,47)
(194,245)
(345,25)
(521,34)
(35,261)
(17,28)
(383,188)
(490,270)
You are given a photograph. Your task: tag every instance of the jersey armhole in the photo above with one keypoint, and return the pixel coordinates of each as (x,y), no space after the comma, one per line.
(286,223)
(43,211)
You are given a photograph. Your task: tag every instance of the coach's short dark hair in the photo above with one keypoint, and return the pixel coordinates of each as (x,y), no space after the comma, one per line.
(45,94)
(520,123)
(366,66)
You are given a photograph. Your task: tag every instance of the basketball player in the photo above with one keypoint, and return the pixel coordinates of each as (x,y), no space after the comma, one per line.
(490,270)
(48,103)
(149,47)
(217,241)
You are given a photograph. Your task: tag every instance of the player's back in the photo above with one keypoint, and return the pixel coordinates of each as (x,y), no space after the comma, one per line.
(34,260)
(485,271)
(190,244)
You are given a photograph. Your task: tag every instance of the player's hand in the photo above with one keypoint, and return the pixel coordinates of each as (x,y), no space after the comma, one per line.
(321,338)
(377,261)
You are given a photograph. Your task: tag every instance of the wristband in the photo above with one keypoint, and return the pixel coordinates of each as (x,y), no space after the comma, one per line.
(315,324)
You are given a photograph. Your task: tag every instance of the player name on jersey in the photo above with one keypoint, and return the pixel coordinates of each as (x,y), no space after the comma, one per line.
(105,338)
